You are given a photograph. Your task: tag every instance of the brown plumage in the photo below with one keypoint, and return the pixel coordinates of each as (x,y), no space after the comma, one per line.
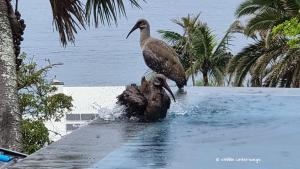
(148,102)
(158,56)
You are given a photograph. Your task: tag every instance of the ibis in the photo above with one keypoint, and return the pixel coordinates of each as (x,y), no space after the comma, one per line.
(159,56)
(148,102)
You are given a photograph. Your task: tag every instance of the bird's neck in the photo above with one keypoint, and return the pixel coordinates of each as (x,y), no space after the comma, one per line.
(145,34)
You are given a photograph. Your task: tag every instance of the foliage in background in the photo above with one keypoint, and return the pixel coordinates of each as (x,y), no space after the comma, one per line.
(290,29)
(198,49)
(35,135)
(269,61)
(38,103)
(263,15)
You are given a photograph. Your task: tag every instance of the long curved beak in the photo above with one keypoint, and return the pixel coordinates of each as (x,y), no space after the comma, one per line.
(166,86)
(133,29)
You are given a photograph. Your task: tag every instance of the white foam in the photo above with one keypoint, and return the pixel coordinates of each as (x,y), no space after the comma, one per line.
(109,114)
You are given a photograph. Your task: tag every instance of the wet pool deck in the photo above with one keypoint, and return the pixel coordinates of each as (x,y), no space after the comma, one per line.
(83,147)
(89,145)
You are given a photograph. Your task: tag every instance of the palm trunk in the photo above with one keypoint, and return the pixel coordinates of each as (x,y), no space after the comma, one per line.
(296,76)
(193,79)
(9,109)
(205,78)
(193,76)
(255,81)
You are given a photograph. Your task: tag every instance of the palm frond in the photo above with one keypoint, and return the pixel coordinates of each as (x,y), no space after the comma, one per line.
(250,7)
(225,41)
(188,23)
(243,69)
(106,11)
(171,37)
(251,49)
(221,59)
(284,69)
(203,40)
(273,76)
(194,20)
(263,21)
(194,68)
(178,22)
(246,8)
(217,75)
(296,75)
(241,64)
(274,51)
(68,16)
(291,7)
(297,2)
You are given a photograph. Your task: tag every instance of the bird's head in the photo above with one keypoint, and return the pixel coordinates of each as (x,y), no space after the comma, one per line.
(160,81)
(140,24)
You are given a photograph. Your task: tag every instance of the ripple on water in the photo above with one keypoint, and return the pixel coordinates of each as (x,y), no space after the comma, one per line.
(227,111)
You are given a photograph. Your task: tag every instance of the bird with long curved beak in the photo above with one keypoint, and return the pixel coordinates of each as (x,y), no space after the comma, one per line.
(149,102)
(158,56)
(136,26)
(160,81)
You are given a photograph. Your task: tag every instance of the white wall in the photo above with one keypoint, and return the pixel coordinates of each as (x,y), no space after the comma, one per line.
(86,100)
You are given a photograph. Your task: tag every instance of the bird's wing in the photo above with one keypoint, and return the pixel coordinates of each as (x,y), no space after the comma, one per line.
(163,59)
(164,47)
(133,100)
(132,97)
(159,55)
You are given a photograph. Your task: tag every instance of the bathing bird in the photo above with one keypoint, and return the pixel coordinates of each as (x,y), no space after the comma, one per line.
(148,102)
(158,56)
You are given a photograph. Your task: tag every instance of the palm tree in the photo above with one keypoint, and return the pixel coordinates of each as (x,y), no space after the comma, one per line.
(275,66)
(269,61)
(68,17)
(197,47)
(10,136)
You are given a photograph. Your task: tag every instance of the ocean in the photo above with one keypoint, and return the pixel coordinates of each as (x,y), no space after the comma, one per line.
(102,56)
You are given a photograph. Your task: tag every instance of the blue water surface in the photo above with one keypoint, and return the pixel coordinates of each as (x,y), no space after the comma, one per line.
(217,131)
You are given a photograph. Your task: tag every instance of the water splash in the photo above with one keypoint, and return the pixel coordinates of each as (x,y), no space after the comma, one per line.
(109,114)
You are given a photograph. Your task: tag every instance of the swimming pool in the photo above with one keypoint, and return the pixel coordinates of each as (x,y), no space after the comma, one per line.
(218,129)
(206,128)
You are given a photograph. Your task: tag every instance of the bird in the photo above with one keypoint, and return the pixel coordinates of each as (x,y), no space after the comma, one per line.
(148,102)
(159,56)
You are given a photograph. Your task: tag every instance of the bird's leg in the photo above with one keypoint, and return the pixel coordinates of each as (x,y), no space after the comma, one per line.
(181,92)
(143,79)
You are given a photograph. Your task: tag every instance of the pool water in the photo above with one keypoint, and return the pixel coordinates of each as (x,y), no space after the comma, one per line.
(220,128)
